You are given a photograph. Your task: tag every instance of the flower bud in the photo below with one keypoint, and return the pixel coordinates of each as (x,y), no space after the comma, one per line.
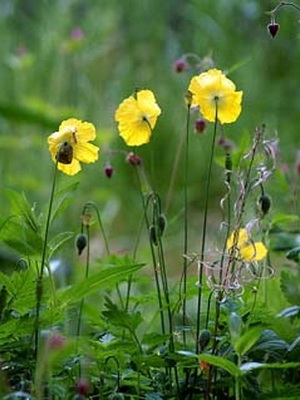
(133,159)
(273,28)
(204,339)
(65,153)
(81,242)
(264,204)
(180,65)
(108,170)
(200,125)
(55,341)
(152,235)
(162,223)
(82,387)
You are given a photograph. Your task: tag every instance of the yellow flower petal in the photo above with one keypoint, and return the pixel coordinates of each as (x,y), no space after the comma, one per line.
(137,117)
(237,238)
(70,169)
(86,153)
(213,91)
(254,252)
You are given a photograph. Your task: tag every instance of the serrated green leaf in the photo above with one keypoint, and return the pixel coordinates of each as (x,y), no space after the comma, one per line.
(121,318)
(221,362)
(21,207)
(247,340)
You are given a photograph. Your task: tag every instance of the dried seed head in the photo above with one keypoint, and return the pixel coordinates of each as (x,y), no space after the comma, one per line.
(81,242)
(65,153)
(273,28)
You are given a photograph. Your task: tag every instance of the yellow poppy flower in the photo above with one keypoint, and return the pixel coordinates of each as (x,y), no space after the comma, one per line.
(248,251)
(70,145)
(137,116)
(212,89)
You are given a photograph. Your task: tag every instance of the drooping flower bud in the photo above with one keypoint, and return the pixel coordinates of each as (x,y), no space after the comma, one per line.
(200,125)
(180,65)
(133,159)
(152,235)
(273,28)
(204,339)
(162,223)
(65,153)
(108,170)
(264,204)
(81,242)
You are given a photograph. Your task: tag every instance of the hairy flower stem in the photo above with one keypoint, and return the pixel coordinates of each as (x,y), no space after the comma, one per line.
(185,239)
(39,283)
(204,227)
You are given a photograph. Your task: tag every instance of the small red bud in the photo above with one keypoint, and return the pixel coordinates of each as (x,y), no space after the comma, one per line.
(82,387)
(180,65)
(200,125)
(56,341)
(133,159)
(108,170)
(273,28)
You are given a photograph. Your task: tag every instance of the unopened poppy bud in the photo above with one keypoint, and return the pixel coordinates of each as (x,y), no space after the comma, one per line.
(133,159)
(22,265)
(200,125)
(273,28)
(264,204)
(225,143)
(204,339)
(65,153)
(55,341)
(162,223)
(81,242)
(108,170)
(82,387)
(180,65)
(152,235)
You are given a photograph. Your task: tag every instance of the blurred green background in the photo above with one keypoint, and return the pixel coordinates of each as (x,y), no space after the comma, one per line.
(81,58)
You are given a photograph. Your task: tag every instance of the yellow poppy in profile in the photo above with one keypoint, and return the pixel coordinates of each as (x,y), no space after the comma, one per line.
(137,116)
(247,250)
(70,145)
(215,94)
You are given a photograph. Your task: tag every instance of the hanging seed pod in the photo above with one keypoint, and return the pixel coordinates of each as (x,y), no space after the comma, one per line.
(81,242)
(204,339)
(65,153)
(273,28)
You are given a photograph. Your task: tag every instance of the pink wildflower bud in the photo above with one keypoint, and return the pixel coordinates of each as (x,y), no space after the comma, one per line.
(55,341)
(82,387)
(108,170)
(298,163)
(133,159)
(180,65)
(273,28)
(200,125)
(77,34)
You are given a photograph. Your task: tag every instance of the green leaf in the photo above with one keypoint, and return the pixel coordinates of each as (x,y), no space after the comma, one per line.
(247,340)
(121,318)
(290,286)
(62,200)
(221,362)
(284,219)
(104,279)
(57,242)
(254,365)
(21,237)
(289,312)
(21,207)
(235,327)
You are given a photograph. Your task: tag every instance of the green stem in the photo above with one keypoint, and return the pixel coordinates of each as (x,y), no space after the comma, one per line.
(39,283)
(204,228)
(185,244)
(238,382)
(92,204)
